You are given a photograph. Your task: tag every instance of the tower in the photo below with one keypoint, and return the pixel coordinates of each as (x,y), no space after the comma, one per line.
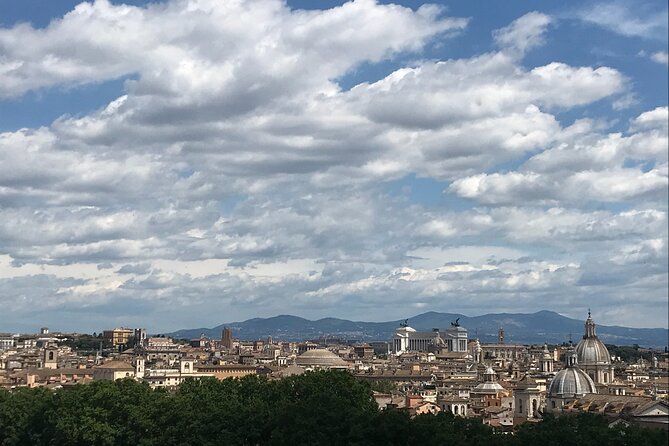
(226,338)
(139,367)
(500,335)
(140,337)
(478,357)
(546,361)
(50,358)
(186,366)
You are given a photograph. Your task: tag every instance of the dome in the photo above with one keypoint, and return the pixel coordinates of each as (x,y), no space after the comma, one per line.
(320,358)
(571,381)
(590,350)
(489,384)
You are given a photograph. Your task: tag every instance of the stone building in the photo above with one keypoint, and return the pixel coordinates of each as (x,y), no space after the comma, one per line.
(452,339)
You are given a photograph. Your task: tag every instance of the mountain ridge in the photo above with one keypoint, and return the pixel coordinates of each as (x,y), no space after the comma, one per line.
(523,328)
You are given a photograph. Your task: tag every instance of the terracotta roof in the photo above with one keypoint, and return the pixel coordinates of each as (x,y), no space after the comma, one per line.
(116,365)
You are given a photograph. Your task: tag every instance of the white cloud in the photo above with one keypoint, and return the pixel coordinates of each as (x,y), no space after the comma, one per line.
(627,18)
(234,177)
(588,168)
(660,57)
(524,33)
(262,39)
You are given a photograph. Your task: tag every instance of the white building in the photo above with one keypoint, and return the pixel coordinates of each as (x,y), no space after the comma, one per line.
(407,339)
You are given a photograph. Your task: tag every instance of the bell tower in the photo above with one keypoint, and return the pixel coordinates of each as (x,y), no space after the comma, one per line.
(500,335)
(50,358)
(546,361)
(139,367)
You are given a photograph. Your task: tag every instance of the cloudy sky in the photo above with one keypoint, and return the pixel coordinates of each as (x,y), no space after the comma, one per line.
(190,162)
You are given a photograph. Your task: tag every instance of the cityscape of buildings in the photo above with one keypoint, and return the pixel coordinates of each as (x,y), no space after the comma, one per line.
(503,384)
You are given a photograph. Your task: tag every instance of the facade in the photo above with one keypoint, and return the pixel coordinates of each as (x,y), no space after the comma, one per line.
(117,336)
(503,352)
(226,370)
(528,399)
(7,341)
(407,339)
(593,356)
(454,404)
(364,351)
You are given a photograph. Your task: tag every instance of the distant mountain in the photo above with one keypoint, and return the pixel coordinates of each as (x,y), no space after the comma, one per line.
(532,328)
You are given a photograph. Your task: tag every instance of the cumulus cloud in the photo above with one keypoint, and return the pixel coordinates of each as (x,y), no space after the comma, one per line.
(100,40)
(235,178)
(589,168)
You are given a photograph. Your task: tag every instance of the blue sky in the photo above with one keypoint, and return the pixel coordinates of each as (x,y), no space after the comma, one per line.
(175,166)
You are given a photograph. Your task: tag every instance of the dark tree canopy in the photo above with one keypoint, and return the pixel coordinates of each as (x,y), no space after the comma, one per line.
(319,408)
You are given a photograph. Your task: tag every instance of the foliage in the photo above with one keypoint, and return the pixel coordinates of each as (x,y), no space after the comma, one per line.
(383,386)
(586,429)
(629,354)
(319,408)
(83,342)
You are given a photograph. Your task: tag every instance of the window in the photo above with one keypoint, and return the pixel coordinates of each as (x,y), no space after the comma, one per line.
(50,356)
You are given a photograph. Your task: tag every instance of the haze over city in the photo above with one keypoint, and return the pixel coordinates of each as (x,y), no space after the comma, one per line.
(181,164)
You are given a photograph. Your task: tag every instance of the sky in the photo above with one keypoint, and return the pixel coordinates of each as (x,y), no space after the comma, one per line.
(185,163)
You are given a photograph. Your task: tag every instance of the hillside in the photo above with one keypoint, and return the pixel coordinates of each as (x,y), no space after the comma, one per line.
(532,328)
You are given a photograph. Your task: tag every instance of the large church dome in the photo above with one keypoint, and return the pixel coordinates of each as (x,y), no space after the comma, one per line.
(590,350)
(320,358)
(571,381)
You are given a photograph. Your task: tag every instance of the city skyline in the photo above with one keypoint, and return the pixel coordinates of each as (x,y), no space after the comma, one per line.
(194,163)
